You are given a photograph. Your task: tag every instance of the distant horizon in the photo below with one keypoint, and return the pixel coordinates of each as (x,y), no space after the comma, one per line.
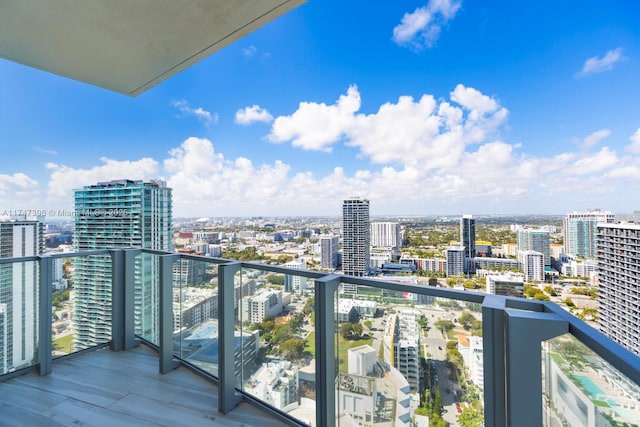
(337,217)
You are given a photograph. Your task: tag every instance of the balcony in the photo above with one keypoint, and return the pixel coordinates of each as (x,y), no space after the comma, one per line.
(173,344)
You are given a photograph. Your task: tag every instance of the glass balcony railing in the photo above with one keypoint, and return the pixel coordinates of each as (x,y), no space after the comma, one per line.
(321,349)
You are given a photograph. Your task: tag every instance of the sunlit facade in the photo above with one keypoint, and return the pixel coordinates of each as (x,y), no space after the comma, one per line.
(121,213)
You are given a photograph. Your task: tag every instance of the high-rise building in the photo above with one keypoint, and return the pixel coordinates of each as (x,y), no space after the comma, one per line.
(401,345)
(455,260)
(385,235)
(532,263)
(534,240)
(356,240)
(329,251)
(468,235)
(19,293)
(121,213)
(619,283)
(580,228)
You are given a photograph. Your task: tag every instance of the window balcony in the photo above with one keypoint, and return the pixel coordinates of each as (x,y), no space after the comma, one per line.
(170,350)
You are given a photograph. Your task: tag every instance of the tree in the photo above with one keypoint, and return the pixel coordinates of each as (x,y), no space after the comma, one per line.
(470,417)
(444,325)
(276,279)
(368,324)
(281,334)
(476,328)
(466,319)
(569,302)
(469,284)
(296,320)
(292,348)
(345,329)
(433,281)
(541,296)
(356,329)
(309,306)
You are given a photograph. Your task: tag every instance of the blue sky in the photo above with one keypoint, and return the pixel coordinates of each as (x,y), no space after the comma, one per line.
(424,107)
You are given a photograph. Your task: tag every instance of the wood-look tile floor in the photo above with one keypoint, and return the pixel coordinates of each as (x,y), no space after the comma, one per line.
(105,388)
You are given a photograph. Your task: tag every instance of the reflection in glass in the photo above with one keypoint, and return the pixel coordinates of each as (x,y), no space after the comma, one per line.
(582,389)
(278,309)
(405,358)
(18,315)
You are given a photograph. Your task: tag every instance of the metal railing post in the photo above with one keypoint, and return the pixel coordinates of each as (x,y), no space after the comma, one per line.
(129,304)
(167,364)
(493,331)
(525,332)
(227,396)
(45,314)
(326,289)
(117,299)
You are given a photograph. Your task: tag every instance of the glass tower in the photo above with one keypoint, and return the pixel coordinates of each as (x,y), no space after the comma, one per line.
(118,214)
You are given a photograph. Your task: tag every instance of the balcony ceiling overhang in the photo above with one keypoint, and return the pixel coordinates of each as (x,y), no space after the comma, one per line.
(127,46)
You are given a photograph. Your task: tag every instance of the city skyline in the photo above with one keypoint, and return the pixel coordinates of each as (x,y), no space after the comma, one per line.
(427,107)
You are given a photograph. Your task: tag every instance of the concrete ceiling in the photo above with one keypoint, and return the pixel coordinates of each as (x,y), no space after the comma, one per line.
(127,46)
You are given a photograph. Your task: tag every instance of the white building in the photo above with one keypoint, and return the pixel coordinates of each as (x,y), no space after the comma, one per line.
(569,266)
(472,353)
(19,293)
(507,283)
(356,239)
(401,345)
(293,283)
(275,383)
(385,235)
(373,388)
(361,360)
(455,260)
(265,304)
(532,264)
(379,258)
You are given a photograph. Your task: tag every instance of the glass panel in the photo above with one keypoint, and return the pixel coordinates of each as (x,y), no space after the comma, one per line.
(582,389)
(90,295)
(62,327)
(19,284)
(276,312)
(195,313)
(147,297)
(404,357)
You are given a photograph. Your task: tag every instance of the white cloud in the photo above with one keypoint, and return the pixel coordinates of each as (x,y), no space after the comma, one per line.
(596,64)
(422,27)
(317,126)
(249,51)
(426,156)
(202,115)
(18,181)
(593,139)
(407,132)
(41,150)
(64,179)
(18,191)
(250,115)
(634,147)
